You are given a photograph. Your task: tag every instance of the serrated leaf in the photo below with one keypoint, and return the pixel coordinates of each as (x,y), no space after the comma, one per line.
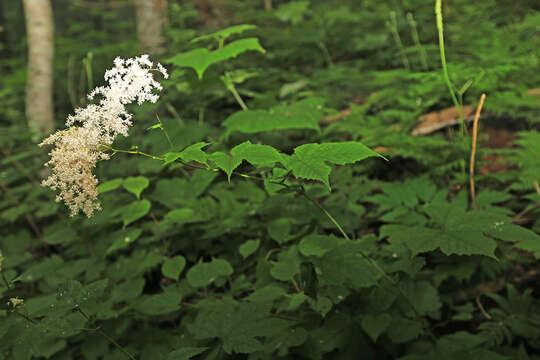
(256,154)
(204,273)
(240,326)
(109,185)
(375,324)
(136,185)
(248,248)
(200,59)
(456,232)
(225,33)
(172,268)
(191,153)
(305,114)
(309,161)
(135,211)
(226,162)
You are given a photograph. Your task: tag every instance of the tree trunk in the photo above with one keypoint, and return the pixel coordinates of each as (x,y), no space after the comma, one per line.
(151,17)
(39,82)
(267,5)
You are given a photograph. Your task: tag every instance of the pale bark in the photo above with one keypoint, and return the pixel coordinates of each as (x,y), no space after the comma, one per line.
(39,83)
(151,18)
(267,5)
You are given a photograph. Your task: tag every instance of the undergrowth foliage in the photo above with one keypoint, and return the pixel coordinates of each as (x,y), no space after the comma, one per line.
(259,222)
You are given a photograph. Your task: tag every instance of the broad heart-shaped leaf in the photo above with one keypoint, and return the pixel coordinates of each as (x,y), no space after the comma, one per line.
(191,153)
(305,114)
(226,162)
(109,185)
(172,267)
(135,211)
(309,161)
(455,232)
(256,154)
(200,59)
(204,273)
(136,185)
(225,33)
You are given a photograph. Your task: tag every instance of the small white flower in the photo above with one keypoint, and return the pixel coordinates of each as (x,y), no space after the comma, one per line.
(78,148)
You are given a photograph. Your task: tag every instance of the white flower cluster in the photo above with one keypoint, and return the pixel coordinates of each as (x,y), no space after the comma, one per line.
(78,148)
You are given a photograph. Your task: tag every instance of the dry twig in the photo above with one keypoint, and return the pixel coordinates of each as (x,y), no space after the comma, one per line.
(473,150)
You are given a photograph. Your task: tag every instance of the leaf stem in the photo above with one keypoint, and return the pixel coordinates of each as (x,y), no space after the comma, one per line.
(104,334)
(165,132)
(229,84)
(416,39)
(440,29)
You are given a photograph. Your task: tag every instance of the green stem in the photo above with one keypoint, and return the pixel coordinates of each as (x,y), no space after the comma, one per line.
(440,29)
(5,280)
(135,152)
(416,39)
(165,132)
(392,25)
(104,334)
(229,84)
(371,261)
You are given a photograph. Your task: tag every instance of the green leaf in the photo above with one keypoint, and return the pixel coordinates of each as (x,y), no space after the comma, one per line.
(345,265)
(135,211)
(172,268)
(456,232)
(226,162)
(225,33)
(305,114)
(136,185)
(60,236)
(200,59)
(204,273)
(288,265)
(191,153)
(318,245)
(267,294)
(123,239)
(159,304)
(375,324)
(180,216)
(185,353)
(240,326)
(422,295)
(309,160)
(248,248)
(256,154)
(109,185)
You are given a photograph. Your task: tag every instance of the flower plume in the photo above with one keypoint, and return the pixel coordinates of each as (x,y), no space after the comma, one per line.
(78,148)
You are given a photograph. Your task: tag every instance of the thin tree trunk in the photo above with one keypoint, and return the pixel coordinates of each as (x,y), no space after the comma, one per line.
(151,17)
(267,5)
(39,83)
